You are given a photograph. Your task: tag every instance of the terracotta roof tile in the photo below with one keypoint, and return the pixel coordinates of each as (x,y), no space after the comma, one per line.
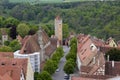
(98,42)
(52,47)
(91,77)
(6,54)
(85,69)
(13,67)
(30,43)
(6,76)
(112,70)
(58,18)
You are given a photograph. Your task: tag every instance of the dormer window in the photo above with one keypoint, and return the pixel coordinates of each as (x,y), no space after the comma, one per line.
(14,63)
(25,50)
(2,63)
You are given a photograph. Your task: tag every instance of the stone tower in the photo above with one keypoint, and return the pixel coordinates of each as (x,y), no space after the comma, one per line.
(58,28)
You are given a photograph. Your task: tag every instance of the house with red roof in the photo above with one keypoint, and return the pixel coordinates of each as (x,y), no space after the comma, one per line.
(88,54)
(15,69)
(90,59)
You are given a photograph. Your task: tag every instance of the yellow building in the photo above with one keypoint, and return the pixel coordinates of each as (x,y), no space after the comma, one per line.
(111,42)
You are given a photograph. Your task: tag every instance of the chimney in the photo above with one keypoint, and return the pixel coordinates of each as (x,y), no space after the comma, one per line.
(108,57)
(113,64)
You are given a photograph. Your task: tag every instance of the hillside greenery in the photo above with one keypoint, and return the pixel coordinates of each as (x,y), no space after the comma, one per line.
(98,18)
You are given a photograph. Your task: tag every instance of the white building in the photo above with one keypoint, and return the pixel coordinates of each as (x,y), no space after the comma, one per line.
(34,59)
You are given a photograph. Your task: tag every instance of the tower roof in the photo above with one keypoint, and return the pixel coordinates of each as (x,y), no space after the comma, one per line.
(58,18)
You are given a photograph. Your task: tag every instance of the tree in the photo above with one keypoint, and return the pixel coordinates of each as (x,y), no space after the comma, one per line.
(48,29)
(6,43)
(56,57)
(23,29)
(73,48)
(5,49)
(15,45)
(50,66)
(114,54)
(65,31)
(13,32)
(60,51)
(11,22)
(44,76)
(36,75)
(2,19)
(71,55)
(73,41)
(69,68)
(33,29)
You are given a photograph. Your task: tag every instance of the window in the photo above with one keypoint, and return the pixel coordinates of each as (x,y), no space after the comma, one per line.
(36,69)
(36,59)
(2,63)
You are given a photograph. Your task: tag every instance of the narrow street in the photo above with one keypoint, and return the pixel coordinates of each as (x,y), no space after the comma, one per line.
(59,75)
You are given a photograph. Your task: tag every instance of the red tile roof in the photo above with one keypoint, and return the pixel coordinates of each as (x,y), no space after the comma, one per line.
(112,70)
(31,45)
(52,47)
(6,54)
(11,68)
(98,42)
(84,51)
(6,76)
(91,77)
(85,69)
(58,18)
(92,67)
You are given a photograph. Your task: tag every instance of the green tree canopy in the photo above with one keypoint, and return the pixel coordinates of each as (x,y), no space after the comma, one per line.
(11,21)
(5,49)
(50,66)
(69,67)
(56,57)
(48,28)
(114,54)
(23,29)
(6,43)
(36,75)
(65,31)
(44,76)
(60,51)
(73,41)
(71,55)
(2,20)
(15,45)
